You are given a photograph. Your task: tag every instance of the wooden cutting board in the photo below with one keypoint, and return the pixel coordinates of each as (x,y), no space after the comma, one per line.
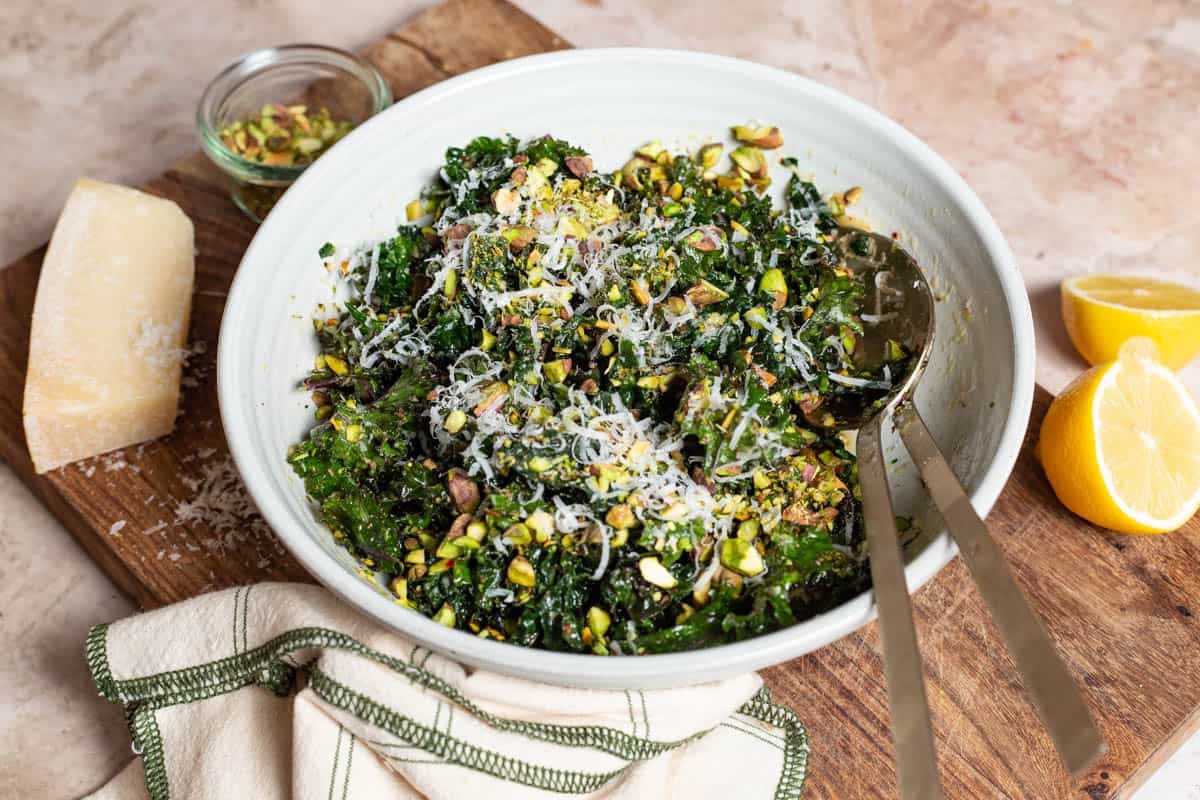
(170,520)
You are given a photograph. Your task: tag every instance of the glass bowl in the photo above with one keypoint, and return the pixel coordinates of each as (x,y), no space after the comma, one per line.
(315,76)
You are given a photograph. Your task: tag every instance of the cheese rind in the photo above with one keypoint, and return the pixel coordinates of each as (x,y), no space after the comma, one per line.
(109,326)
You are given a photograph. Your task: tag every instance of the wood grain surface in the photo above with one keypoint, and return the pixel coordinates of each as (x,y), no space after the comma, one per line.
(170,520)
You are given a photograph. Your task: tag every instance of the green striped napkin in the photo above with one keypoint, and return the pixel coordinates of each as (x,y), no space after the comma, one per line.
(281,691)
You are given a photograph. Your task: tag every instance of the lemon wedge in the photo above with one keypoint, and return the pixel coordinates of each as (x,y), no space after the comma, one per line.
(1102,311)
(1121,445)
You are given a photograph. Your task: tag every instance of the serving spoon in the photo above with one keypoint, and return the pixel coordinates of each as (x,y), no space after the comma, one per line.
(902,304)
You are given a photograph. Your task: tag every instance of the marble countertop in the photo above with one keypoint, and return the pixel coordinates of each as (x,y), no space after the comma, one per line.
(1077,123)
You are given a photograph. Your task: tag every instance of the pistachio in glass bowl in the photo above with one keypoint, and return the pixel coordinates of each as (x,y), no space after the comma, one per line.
(265,118)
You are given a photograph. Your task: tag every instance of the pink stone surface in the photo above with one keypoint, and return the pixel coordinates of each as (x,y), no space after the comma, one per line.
(1078,124)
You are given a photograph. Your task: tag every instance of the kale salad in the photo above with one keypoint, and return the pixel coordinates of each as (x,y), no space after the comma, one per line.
(585,411)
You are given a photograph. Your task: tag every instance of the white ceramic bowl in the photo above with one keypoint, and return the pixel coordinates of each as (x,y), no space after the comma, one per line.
(975,395)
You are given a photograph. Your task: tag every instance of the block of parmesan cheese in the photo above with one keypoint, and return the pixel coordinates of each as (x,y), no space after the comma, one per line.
(109,325)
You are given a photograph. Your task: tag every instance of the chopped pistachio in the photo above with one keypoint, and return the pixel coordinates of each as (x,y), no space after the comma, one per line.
(557,371)
(674,512)
(415,557)
(353,432)
(458,528)
(654,572)
(579,166)
(487,341)
(741,557)
(400,589)
(704,294)
(751,160)
(767,137)
(493,398)
(414,210)
(756,317)
(620,517)
(476,530)
(283,136)
(639,290)
(731,182)
(521,572)
(774,284)
(535,181)
(463,491)
(446,616)
(569,226)
(540,464)
(336,365)
(441,565)
(748,530)
(448,549)
(598,621)
(506,201)
(518,533)
(455,421)
(542,525)
(518,237)
(605,475)
(629,172)
(651,150)
(710,154)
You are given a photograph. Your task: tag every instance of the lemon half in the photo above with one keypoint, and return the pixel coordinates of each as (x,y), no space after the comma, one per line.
(1101,312)
(1121,445)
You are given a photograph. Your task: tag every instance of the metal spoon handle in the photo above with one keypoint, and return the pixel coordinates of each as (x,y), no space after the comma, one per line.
(1046,678)
(916,761)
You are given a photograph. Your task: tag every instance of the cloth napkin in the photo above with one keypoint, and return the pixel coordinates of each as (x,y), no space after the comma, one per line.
(281,691)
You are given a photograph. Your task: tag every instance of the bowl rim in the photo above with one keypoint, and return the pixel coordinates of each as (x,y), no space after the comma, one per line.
(657,670)
(259,62)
